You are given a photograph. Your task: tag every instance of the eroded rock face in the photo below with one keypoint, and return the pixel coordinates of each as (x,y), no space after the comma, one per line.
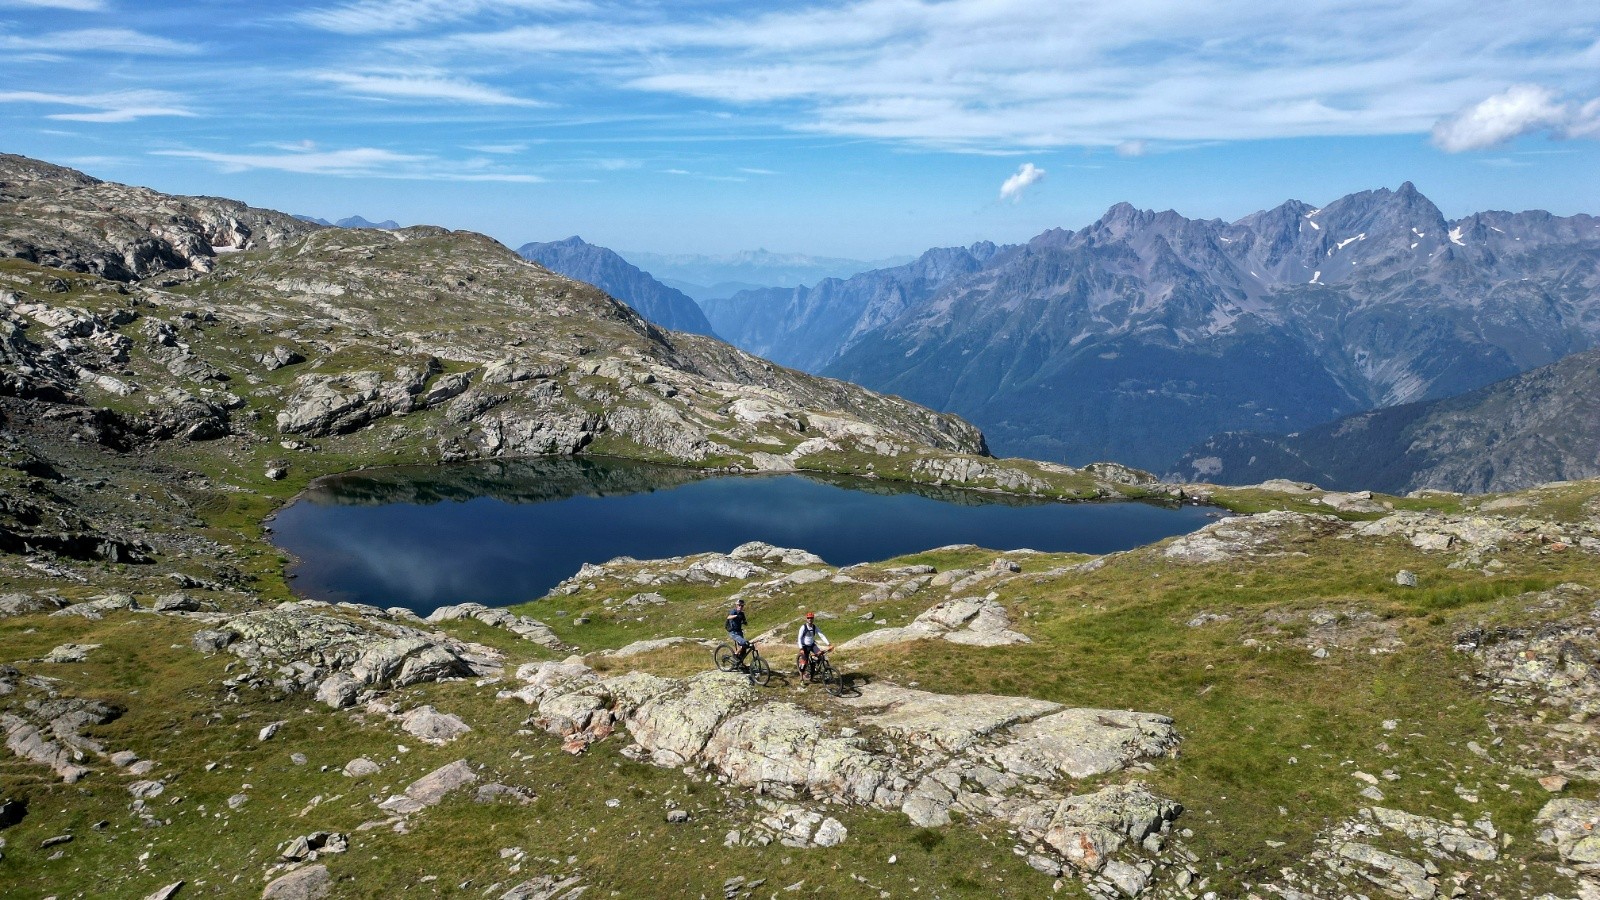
(891,748)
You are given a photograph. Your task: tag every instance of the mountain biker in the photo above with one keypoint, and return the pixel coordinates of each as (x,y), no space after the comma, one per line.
(810,637)
(735,626)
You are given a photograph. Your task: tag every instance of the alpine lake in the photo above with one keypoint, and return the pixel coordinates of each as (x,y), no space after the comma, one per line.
(507,531)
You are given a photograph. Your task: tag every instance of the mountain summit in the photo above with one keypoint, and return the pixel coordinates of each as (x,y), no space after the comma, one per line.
(603,268)
(1145,332)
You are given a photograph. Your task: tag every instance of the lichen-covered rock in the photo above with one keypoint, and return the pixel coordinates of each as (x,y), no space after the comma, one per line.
(673,727)
(1080,743)
(310,883)
(432,726)
(1572,826)
(1393,873)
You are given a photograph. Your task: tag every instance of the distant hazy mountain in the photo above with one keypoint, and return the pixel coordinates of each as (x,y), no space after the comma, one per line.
(1145,333)
(352,222)
(707,277)
(575,258)
(1536,427)
(808,327)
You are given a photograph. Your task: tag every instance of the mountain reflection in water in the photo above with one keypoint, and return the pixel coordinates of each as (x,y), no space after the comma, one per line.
(506,531)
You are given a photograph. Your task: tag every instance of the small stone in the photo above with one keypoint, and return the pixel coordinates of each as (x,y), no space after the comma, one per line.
(298,759)
(1406,578)
(167,893)
(360,767)
(677,816)
(1555,784)
(267,731)
(55,841)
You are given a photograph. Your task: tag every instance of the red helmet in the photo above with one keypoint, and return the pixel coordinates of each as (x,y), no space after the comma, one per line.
(811,615)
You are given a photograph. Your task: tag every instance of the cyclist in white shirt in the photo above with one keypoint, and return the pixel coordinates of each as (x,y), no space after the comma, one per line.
(810,638)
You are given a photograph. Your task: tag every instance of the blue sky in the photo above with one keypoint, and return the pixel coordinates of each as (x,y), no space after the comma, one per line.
(864,128)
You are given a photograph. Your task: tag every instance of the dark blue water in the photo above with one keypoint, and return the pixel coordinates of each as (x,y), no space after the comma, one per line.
(507,531)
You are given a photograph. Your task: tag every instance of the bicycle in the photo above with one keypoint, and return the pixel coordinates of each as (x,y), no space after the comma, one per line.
(727,660)
(820,669)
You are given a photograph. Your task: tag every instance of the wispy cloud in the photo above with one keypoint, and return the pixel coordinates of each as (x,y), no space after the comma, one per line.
(78,5)
(355,162)
(498,149)
(1132,149)
(430,87)
(1519,110)
(1010,74)
(391,16)
(117,106)
(1026,176)
(97,40)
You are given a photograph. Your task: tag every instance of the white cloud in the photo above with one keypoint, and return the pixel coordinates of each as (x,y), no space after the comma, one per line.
(117,106)
(422,87)
(1131,149)
(362,162)
(98,40)
(391,16)
(1016,74)
(1026,176)
(1518,110)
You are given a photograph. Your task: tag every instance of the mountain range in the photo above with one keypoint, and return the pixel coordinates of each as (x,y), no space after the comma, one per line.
(603,268)
(1145,333)
(352,222)
(1538,427)
(808,327)
(707,277)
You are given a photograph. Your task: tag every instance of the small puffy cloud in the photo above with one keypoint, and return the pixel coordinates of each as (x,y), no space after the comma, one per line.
(1026,176)
(1518,110)
(1133,148)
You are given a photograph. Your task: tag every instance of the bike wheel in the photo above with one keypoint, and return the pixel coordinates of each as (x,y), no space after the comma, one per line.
(723,657)
(831,680)
(760,672)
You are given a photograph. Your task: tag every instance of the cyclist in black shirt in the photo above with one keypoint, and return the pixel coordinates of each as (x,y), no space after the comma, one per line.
(735,626)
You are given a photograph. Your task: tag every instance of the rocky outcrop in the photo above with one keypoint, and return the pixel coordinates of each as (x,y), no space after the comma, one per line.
(975,621)
(294,649)
(60,218)
(48,732)
(926,755)
(1263,534)
(1550,666)
(525,627)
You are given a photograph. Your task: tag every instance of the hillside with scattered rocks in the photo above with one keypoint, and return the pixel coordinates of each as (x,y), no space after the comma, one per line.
(1321,694)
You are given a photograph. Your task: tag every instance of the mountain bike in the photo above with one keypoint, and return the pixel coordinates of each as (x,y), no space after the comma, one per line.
(727,660)
(820,669)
